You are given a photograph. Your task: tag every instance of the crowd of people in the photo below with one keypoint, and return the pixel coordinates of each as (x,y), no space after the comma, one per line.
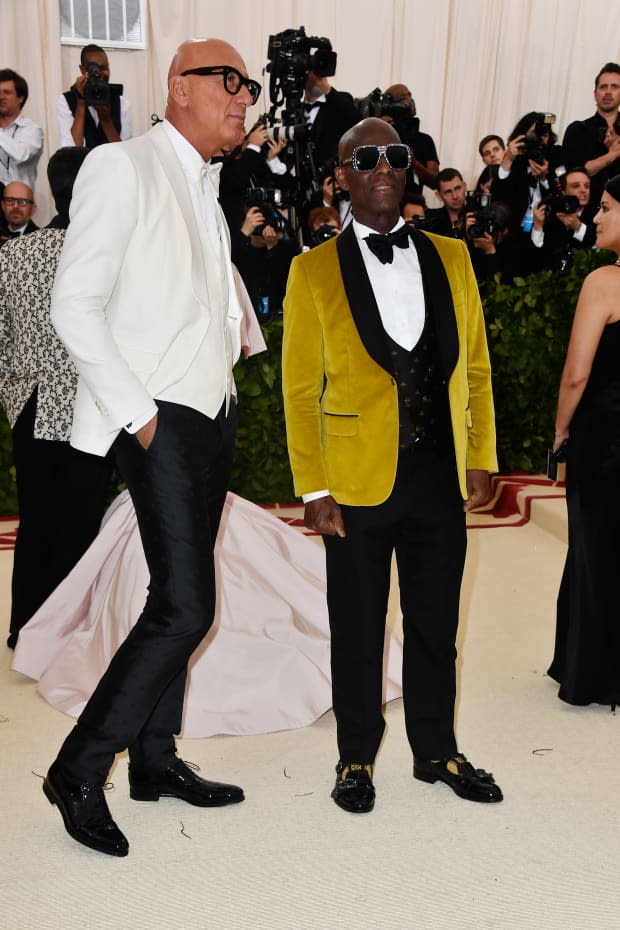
(531,206)
(138,320)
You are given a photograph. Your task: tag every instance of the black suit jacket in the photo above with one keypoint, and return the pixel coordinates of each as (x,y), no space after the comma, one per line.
(439,222)
(335,116)
(6,235)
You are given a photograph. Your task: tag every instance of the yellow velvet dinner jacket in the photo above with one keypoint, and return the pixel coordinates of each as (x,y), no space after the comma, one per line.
(340,397)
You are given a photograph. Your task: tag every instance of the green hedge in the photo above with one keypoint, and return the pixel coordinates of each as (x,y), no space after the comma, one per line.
(528,325)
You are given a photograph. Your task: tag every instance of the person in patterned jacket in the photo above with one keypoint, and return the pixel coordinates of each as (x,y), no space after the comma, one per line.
(60,490)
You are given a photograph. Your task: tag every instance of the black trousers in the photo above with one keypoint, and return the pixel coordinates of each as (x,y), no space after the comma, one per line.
(423,522)
(61,495)
(178,487)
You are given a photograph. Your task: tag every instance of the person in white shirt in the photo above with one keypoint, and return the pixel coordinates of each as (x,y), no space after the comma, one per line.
(82,121)
(145,303)
(21,140)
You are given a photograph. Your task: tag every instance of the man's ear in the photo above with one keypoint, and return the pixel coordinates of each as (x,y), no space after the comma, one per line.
(341,178)
(177,89)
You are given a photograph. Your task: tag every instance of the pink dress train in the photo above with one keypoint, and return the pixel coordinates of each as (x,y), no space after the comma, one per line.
(263,667)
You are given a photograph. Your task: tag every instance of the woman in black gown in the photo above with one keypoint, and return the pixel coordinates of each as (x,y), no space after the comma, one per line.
(586,662)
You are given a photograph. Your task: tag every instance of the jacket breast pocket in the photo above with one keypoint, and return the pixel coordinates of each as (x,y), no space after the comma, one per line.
(340,424)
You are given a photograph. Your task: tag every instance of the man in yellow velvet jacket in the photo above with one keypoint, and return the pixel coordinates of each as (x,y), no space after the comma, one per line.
(390,425)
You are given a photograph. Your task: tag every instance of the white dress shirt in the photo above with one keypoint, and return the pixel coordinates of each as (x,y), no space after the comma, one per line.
(21,145)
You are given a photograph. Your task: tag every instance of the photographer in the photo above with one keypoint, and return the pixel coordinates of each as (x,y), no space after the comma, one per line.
(448,220)
(400,111)
(253,165)
(491,245)
(93,111)
(413,210)
(595,142)
(330,113)
(523,176)
(564,220)
(263,255)
(324,224)
(330,195)
(491,149)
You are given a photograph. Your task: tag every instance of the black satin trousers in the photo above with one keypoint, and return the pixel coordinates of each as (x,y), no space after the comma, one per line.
(178,487)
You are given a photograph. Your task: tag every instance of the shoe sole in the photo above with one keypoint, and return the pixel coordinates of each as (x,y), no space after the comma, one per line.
(137,794)
(54,801)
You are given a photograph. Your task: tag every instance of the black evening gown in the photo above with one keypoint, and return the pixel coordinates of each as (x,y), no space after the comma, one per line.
(586,662)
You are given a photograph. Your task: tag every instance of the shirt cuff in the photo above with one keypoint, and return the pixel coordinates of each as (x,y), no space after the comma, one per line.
(141,421)
(276,166)
(538,238)
(580,233)
(314,496)
(503,173)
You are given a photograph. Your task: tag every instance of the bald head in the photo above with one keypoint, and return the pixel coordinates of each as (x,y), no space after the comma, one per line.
(194,53)
(199,105)
(17,215)
(371,131)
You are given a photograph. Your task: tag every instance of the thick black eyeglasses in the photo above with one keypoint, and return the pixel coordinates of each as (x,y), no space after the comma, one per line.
(233,79)
(366,157)
(21,201)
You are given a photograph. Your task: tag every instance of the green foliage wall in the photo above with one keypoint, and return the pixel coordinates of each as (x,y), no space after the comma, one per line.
(528,326)
(261,471)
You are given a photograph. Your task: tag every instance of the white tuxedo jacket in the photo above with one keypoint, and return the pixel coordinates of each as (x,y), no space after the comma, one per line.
(130,300)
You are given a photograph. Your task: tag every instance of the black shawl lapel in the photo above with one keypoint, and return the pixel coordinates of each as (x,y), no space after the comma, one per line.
(361,298)
(439,302)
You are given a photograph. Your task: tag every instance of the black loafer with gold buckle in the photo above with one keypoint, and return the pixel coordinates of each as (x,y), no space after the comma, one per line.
(466,781)
(354,791)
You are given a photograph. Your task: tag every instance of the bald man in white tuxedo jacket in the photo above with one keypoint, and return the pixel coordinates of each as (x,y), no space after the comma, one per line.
(145,303)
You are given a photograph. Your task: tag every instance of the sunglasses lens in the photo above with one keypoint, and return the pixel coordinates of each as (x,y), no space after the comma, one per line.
(397,156)
(366,157)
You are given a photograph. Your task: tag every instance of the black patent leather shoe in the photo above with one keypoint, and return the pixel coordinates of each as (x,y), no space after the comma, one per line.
(85,813)
(180,781)
(354,791)
(466,781)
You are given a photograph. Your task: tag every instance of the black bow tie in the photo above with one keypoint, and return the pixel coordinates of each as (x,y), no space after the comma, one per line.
(308,107)
(382,246)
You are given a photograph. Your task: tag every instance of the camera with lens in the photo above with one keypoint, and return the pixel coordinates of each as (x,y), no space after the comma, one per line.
(536,143)
(378,103)
(323,233)
(276,132)
(292,55)
(96,91)
(557,201)
(480,204)
(419,221)
(267,200)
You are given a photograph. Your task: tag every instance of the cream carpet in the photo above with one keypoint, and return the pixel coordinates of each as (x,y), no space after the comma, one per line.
(288,859)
